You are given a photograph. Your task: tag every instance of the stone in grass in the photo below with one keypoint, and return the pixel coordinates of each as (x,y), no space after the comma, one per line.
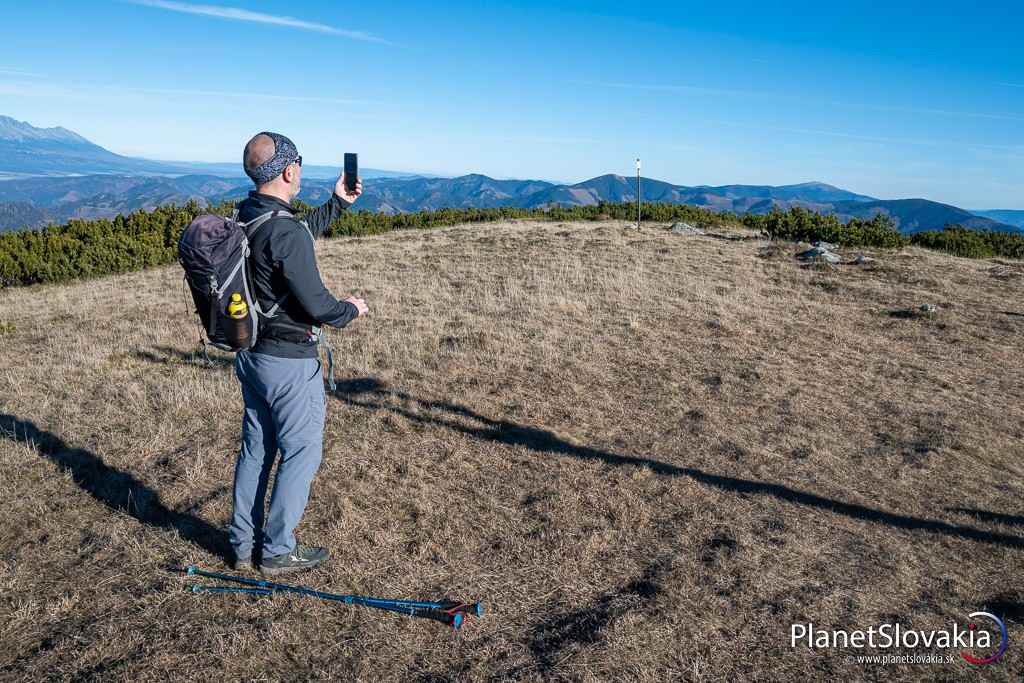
(825,245)
(921,312)
(687,229)
(819,254)
(863,260)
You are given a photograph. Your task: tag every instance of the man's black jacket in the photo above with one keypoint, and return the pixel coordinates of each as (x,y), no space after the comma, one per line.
(283,262)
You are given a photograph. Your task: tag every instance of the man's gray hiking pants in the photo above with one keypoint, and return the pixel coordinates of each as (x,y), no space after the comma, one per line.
(285,406)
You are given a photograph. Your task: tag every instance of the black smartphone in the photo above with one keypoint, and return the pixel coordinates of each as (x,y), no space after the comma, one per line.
(351,171)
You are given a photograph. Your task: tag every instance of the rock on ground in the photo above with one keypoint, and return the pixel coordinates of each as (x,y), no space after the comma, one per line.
(819,253)
(687,229)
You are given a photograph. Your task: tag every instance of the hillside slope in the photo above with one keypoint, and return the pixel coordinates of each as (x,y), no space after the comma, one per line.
(914,215)
(648,455)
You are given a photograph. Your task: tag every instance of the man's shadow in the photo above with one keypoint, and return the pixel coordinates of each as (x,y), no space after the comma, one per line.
(370,393)
(121,491)
(986,516)
(114,488)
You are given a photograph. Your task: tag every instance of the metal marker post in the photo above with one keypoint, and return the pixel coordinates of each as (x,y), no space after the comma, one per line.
(638,194)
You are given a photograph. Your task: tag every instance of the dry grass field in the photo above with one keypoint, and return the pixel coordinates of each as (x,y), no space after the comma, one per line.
(647,455)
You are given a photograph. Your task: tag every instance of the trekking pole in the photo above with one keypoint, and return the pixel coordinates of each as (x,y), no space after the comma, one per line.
(449,612)
(450,619)
(476,609)
(196,588)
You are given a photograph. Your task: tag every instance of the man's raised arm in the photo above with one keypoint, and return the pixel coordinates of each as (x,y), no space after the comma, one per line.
(320,218)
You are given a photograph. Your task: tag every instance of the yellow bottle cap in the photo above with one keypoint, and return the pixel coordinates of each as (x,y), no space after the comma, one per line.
(237,308)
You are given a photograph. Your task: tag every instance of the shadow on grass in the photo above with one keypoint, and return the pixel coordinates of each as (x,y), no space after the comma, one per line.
(165,355)
(584,625)
(986,516)
(1006,606)
(908,314)
(543,441)
(114,488)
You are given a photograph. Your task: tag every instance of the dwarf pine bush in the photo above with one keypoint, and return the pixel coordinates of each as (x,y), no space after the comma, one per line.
(960,241)
(142,239)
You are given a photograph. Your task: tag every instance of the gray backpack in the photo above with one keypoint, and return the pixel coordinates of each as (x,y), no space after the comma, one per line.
(214,252)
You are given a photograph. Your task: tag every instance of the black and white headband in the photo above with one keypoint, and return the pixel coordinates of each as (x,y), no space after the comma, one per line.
(284,154)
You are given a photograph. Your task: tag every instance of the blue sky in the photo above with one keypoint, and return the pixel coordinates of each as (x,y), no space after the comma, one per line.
(905,99)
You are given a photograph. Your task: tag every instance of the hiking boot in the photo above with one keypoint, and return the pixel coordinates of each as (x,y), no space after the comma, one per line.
(243,564)
(303,557)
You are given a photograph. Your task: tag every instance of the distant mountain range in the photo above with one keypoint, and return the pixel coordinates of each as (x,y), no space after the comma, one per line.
(1009,216)
(55,174)
(28,152)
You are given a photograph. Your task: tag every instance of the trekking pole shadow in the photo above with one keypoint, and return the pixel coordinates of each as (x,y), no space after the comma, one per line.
(544,441)
(116,489)
(165,355)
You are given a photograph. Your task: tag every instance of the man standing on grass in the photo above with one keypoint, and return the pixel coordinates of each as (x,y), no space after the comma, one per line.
(281,377)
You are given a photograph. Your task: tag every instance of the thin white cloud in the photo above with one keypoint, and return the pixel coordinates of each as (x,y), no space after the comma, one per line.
(782,96)
(1013,150)
(854,136)
(937,112)
(836,134)
(18,72)
(249,95)
(237,14)
(551,140)
(656,87)
(105,92)
(22,89)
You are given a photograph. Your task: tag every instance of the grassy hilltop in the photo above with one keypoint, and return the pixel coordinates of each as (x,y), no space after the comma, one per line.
(647,454)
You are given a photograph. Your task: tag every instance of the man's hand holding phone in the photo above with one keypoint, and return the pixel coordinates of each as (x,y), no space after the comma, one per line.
(345,193)
(349,185)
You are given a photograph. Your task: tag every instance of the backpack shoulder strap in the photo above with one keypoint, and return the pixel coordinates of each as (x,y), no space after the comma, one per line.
(253,226)
(308,231)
